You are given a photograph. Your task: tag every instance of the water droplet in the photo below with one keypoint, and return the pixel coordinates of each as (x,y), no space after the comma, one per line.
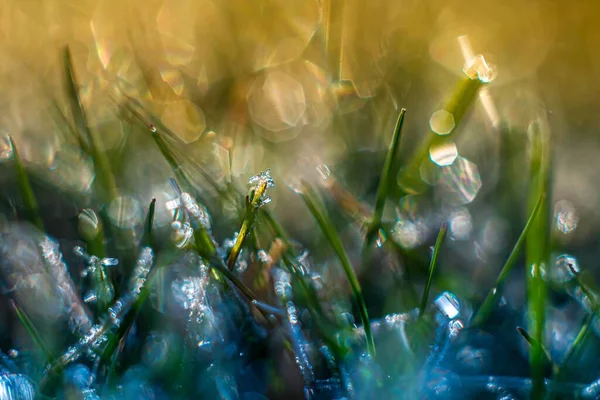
(88,224)
(566,216)
(6,150)
(443,153)
(460,224)
(441,122)
(460,182)
(455,326)
(448,304)
(478,68)
(565,269)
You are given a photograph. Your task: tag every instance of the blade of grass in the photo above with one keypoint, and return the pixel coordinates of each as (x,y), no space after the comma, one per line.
(253,203)
(32,331)
(432,266)
(457,105)
(31,205)
(309,197)
(576,345)
(491,300)
(148,236)
(534,343)
(103,172)
(386,178)
(537,252)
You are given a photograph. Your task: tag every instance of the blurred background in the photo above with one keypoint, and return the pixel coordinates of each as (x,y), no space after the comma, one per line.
(313,87)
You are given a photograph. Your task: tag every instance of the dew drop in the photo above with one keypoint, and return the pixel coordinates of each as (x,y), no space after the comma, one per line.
(566,216)
(448,304)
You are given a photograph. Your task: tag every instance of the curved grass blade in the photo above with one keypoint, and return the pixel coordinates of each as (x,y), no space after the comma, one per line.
(33,332)
(31,206)
(386,178)
(432,266)
(103,170)
(329,232)
(495,293)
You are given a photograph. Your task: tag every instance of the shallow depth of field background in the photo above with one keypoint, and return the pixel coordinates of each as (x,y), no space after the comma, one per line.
(293,84)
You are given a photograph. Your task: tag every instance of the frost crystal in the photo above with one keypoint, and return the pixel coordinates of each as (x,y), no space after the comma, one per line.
(259,184)
(79,320)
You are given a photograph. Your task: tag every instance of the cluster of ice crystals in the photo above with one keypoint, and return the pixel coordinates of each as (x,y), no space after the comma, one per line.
(182,233)
(478,68)
(141,270)
(197,212)
(260,183)
(94,262)
(79,320)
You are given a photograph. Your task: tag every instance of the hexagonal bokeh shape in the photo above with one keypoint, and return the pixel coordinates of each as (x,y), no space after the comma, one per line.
(278,102)
(185,119)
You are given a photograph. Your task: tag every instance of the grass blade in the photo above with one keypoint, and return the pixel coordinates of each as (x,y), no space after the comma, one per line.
(103,170)
(253,203)
(576,345)
(457,105)
(329,232)
(148,237)
(534,343)
(32,331)
(495,294)
(31,206)
(537,251)
(386,178)
(432,266)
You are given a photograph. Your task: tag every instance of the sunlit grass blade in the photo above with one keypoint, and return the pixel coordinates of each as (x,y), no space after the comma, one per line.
(32,331)
(253,203)
(495,294)
(104,174)
(534,343)
(432,266)
(386,178)
(537,250)
(457,106)
(31,205)
(309,197)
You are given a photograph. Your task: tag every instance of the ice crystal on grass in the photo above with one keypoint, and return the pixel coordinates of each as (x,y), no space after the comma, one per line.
(259,185)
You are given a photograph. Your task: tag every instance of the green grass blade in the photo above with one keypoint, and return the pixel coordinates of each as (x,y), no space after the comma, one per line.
(31,205)
(534,343)
(148,236)
(432,266)
(329,232)
(33,332)
(537,251)
(103,171)
(495,294)
(457,105)
(576,345)
(386,177)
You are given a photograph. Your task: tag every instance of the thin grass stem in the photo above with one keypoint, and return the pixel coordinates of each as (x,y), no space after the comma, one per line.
(432,267)
(309,197)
